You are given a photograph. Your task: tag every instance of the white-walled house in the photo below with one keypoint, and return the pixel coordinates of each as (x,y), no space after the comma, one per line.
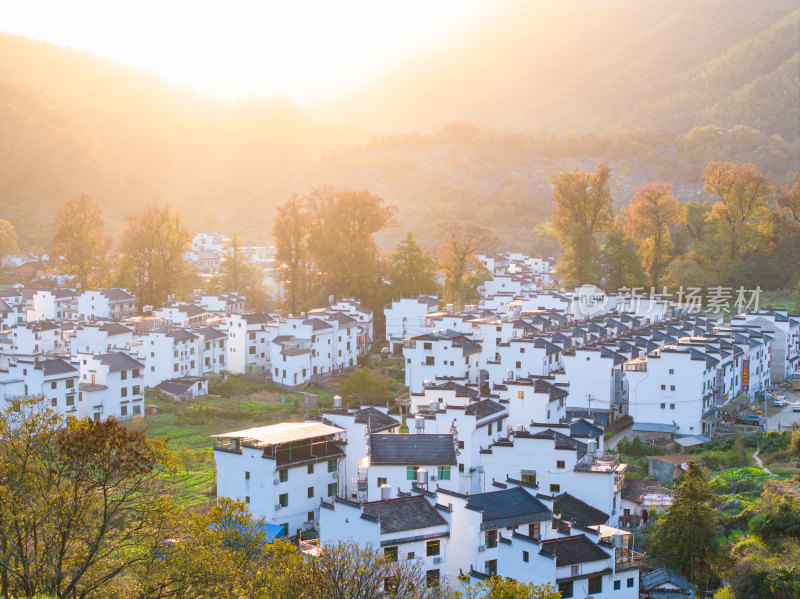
(440,354)
(358,424)
(406,318)
(249,338)
(223,303)
(99,337)
(168,354)
(282,471)
(111,384)
(183,314)
(596,383)
(533,399)
(53,304)
(448,393)
(110,304)
(55,379)
(785,331)
(397,459)
(32,339)
(213,350)
(403,528)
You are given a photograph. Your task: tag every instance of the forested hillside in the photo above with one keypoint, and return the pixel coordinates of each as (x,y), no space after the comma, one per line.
(654,89)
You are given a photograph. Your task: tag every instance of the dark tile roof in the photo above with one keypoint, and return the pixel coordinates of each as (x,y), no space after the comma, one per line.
(257,318)
(573,550)
(120,361)
(210,333)
(317,324)
(412,449)
(562,441)
(508,507)
(114,328)
(176,386)
(484,408)
(661,576)
(116,294)
(578,512)
(55,366)
(181,335)
(344,320)
(378,421)
(404,513)
(461,390)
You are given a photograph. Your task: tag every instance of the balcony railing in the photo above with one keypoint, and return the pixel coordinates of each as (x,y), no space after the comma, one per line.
(597,463)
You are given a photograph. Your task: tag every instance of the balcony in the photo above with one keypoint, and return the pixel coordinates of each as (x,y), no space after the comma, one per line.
(598,463)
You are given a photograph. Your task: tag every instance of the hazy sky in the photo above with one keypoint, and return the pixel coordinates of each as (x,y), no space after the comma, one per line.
(301,48)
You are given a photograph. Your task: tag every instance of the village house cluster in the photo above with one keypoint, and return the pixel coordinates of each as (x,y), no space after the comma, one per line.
(496,463)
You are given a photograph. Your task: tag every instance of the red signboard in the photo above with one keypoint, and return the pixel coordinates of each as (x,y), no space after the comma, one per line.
(745,375)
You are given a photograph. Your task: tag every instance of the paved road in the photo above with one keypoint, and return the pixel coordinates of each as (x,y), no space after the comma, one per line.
(786,417)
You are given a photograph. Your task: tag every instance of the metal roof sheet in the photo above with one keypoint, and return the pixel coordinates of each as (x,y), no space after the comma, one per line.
(285,432)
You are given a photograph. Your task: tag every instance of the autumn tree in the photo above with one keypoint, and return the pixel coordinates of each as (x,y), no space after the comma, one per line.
(583,211)
(741,214)
(79,242)
(457,256)
(648,220)
(238,273)
(365,386)
(685,536)
(290,232)
(497,587)
(789,198)
(81,506)
(411,272)
(153,266)
(9,239)
(620,262)
(341,228)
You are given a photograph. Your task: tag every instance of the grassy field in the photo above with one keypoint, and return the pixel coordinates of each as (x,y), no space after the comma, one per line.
(231,405)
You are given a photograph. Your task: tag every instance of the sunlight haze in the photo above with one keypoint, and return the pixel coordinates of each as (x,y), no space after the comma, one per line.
(302,49)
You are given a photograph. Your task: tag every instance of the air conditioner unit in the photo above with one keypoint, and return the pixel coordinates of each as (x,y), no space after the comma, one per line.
(276,481)
(308,523)
(335,475)
(437,559)
(481,548)
(278,506)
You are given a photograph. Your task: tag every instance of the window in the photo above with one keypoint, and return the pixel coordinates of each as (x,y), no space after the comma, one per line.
(252,350)
(390,554)
(71,399)
(333,489)
(310,516)
(595,585)
(630,583)
(247,498)
(663,387)
(427,345)
(672,371)
(617,585)
(429,361)
(490,539)
(461,467)
(137,410)
(247,475)
(410,555)
(520,394)
(381,481)
(560,464)
(70,384)
(574,570)
(555,488)
(123,375)
(672,406)
(123,410)
(432,578)
(333,466)
(123,392)
(525,557)
(54,402)
(528,476)
(663,405)
(534,530)
(283,499)
(311,468)
(432,548)
(53,385)
(672,387)
(136,390)
(310,494)
(443,473)
(411,472)
(518,365)
(489,429)
(565,588)
(174,367)
(283,475)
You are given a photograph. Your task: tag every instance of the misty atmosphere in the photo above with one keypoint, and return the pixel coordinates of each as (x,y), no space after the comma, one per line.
(356,300)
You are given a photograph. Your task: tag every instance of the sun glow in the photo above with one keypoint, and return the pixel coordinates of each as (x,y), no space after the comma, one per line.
(300,48)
